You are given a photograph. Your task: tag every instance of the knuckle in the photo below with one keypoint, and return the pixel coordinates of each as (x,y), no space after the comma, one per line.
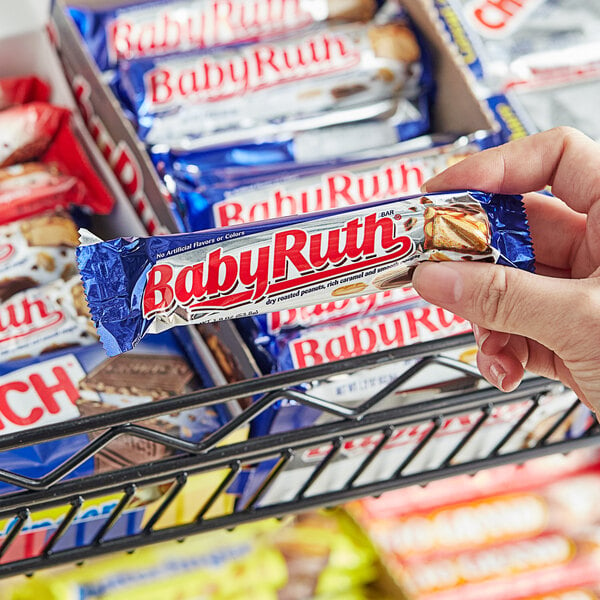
(565,131)
(494,297)
(567,135)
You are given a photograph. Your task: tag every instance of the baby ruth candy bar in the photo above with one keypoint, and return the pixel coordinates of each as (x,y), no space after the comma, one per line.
(136,286)
(141,30)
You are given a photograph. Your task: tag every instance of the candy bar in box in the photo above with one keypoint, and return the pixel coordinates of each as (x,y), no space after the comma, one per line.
(566,504)
(503,41)
(81,381)
(36,251)
(273,86)
(173,26)
(372,131)
(509,571)
(389,328)
(215,200)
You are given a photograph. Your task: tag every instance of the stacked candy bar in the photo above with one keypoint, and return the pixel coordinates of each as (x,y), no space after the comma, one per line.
(507,534)
(251,83)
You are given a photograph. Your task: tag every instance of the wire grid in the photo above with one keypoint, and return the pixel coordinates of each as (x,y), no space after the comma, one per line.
(275,453)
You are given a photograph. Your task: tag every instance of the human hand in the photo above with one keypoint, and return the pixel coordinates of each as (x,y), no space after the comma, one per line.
(547,323)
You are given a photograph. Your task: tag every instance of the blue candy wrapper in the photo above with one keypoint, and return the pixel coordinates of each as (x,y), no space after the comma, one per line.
(136,286)
(262,90)
(260,332)
(234,167)
(168,26)
(333,313)
(363,138)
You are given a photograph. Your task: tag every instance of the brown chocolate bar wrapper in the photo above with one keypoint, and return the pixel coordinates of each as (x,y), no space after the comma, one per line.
(135,375)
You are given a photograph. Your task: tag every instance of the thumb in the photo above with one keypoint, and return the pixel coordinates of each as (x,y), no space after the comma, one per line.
(506,299)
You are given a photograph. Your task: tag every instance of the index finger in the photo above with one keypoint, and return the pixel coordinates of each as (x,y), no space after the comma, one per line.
(563,158)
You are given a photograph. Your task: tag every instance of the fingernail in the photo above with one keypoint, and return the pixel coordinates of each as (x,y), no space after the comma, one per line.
(438,283)
(424,187)
(480,336)
(497,373)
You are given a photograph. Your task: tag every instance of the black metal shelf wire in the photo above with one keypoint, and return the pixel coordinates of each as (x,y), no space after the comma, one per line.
(278,453)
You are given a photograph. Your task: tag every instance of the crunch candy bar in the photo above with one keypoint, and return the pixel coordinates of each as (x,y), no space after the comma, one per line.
(136,286)
(524,40)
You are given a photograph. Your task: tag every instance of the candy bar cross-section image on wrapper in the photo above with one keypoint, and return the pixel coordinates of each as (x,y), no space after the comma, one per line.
(36,251)
(45,318)
(136,286)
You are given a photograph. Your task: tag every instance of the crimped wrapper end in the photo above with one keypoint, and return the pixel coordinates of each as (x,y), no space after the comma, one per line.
(510,229)
(105,283)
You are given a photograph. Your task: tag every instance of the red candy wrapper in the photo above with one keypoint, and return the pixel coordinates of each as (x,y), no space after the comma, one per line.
(32,188)
(20,90)
(40,131)
(27,131)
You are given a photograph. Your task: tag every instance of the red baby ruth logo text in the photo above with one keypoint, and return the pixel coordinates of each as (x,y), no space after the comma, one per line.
(22,317)
(210,79)
(375,334)
(199,25)
(293,260)
(335,189)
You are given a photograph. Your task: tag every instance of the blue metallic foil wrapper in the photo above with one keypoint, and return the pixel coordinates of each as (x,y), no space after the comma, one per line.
(360,138)
(325,76)
(136,286)
(228,196)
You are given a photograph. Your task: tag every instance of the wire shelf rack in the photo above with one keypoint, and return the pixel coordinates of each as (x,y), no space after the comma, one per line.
(357,451)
